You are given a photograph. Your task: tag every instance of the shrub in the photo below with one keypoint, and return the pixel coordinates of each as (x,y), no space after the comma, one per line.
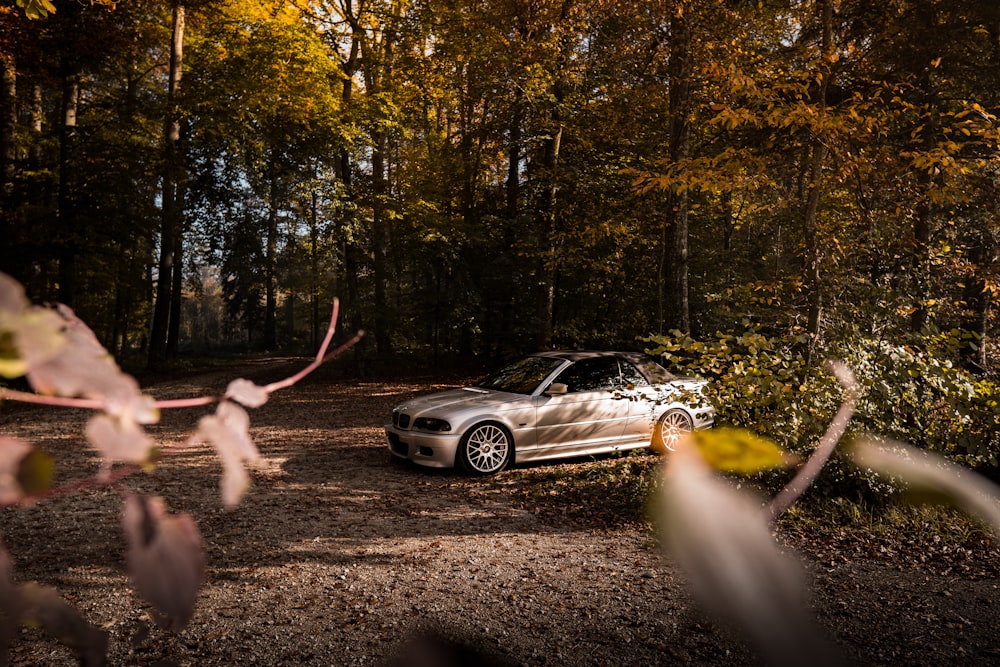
(910,391)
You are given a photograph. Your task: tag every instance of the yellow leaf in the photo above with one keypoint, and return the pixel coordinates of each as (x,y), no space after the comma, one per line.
(11,364)
(12,368)
(739,450)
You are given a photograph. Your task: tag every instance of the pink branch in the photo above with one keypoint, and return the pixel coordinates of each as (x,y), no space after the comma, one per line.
(186,402)
(103,479)
(321,355)
(170,404)
(835,431)
(93,404)
(55,401)
(111,477)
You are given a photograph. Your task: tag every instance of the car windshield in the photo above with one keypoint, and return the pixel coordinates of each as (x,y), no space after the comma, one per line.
(521,377)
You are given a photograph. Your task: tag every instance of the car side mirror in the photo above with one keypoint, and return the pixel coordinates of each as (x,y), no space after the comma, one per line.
(557,389)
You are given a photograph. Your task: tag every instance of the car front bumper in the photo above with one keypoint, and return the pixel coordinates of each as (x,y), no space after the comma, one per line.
(704,418)
(435,450)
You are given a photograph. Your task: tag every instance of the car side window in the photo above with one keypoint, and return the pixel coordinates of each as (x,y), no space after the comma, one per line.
(591,375)
(631,375)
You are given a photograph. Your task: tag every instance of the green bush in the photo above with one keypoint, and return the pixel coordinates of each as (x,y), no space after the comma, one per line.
(756,382)
(915,392)
(911,391)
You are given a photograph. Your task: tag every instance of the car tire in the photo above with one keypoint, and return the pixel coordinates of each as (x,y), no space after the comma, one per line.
(670,428)
(485,449)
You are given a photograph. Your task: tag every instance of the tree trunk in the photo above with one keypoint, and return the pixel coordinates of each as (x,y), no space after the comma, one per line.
(547,265)
(548,261)
(676,271)
(812,252)
(177,277)
(513,186)
(676,311)
(920,317)
(353,313)
(814,189)
(380,240)
(35,189)
(977,295)
(169,215)
(68,241)
(270,262)
(314,290)
(8,129)
(507,290)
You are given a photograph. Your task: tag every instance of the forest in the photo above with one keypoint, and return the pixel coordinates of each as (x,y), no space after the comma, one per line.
(746,187)
(793,199)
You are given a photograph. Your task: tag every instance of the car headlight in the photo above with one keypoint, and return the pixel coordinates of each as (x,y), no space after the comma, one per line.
(431,424)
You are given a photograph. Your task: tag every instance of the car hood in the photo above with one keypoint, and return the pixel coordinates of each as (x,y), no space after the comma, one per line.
(688,383)
(452,400)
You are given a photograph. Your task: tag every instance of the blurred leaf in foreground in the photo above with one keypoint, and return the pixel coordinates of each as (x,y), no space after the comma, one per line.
(35,472)
(44,607)
(13,451)
(228,431)
(165,559)
(721,540)
(739,450)
(246,393)
(929,473)
(10,605)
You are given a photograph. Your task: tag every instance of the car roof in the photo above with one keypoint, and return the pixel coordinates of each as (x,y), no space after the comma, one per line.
(577,355)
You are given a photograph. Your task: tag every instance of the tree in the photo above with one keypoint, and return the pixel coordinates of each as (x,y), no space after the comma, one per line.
(252,140)
(367,38)
(500,176)
(78,210)
(674,265)
(163,336)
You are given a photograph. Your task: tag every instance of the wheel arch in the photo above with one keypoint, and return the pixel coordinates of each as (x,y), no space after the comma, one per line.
(461,457)
(656,439)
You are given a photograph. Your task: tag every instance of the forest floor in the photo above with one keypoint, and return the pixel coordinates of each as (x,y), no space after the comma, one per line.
(341,556)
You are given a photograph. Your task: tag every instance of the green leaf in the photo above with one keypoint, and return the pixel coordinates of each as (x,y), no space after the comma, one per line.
(12,368)
(35,473)
(739,450)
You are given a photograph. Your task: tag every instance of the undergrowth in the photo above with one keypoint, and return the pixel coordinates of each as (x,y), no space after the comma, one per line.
(606,492)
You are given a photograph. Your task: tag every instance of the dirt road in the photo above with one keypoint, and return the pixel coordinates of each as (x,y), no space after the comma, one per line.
(341,556)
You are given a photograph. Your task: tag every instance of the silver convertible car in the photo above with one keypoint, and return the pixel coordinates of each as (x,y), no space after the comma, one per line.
(550,405)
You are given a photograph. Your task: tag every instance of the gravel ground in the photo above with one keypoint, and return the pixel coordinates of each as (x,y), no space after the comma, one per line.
(341,556)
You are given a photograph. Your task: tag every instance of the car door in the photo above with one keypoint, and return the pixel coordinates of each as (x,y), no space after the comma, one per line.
(644,403)
(590,414)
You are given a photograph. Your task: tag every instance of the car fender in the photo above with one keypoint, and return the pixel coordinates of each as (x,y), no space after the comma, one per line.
(520,427)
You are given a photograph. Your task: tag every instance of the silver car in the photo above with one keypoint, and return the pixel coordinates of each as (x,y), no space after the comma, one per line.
(550,405)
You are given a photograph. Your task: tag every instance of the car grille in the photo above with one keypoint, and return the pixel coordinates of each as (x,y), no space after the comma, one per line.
(401,420)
